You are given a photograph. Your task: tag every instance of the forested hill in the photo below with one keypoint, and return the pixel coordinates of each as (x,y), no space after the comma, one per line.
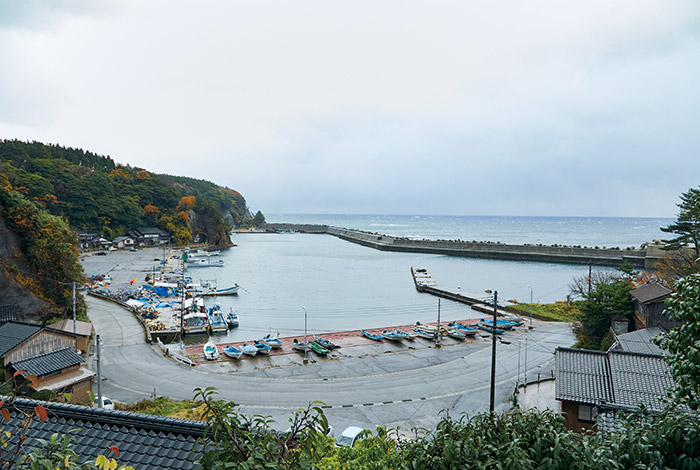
(95,193)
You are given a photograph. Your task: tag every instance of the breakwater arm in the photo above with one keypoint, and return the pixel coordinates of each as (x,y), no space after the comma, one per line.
(639,258)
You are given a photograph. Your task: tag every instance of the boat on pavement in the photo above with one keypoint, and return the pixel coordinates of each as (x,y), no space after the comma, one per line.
(467,330)
(232,352)
(274,343)
(502,324)
(262,348)
(318,349)
(424,334)
(211,352)
(300,345)
(391,335)
(249,349)
(456,333)
(372,336)
(405,334)
(497,331)
(325,342)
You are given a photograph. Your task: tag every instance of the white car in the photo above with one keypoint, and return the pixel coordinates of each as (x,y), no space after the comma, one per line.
(107,403)
(348,437)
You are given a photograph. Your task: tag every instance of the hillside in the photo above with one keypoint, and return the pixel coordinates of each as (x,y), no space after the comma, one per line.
(95,193)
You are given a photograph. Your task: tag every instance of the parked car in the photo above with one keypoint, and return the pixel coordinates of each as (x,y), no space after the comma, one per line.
(107,403)
(349,436)
(101,253)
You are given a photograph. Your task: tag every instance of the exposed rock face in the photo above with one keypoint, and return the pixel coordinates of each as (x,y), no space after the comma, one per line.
(12,266)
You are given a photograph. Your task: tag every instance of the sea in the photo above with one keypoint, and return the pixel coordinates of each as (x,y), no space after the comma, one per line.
(295,282)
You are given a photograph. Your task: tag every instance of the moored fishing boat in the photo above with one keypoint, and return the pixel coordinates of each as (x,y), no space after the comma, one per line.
(232,319)
(372,336)
(318,349)
(274,343)
(204,263)
(217,323)
(249,349)
(211,352)
(232,352)
(195,323)
(233,290)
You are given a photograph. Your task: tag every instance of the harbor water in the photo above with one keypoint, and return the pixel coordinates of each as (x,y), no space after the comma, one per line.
(343,286)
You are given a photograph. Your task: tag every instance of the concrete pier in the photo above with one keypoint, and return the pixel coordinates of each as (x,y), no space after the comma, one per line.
(641,258)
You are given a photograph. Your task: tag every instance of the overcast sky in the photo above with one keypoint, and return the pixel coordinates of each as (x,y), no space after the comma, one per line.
(389,107)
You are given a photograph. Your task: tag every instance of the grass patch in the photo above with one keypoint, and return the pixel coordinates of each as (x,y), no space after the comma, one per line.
(558,311)
(164,406)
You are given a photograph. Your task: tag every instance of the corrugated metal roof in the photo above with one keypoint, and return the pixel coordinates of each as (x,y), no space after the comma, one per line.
(582,376)
(649,292)
(82,328)
(14,333)
(49,362)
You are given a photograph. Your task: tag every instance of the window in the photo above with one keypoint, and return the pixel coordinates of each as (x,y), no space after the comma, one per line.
(585,413)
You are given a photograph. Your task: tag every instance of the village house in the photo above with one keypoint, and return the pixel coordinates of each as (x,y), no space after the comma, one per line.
(82,329)
(149,236)
(123,242)
(649,304)
(631,374)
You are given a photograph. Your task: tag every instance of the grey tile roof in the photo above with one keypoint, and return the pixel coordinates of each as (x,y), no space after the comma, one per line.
(49,362)
(582,376)
(144,441)
(14,333)
(640,341)
(639,379)
(650,292)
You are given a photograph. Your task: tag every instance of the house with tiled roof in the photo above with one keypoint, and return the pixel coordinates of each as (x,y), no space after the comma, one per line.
(649,304)
(587,381)
(20,340)
(149,236)
(60,371)
(144,441)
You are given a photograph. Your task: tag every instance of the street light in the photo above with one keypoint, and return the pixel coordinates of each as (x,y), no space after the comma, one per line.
(530,327)
(306,345)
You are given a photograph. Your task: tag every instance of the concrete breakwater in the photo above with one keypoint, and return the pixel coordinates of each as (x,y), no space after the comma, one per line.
(643,258)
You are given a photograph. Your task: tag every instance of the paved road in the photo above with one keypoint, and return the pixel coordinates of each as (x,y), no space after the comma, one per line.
(406,389)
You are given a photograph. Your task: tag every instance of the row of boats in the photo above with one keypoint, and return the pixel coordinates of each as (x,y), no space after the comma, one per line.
(211,320)
(263,346)
(454,330)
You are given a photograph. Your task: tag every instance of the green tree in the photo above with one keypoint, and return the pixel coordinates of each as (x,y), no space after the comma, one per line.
(597,311)
(683,343)
(687,226)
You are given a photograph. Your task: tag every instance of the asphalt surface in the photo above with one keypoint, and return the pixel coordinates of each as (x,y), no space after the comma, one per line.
(364,386)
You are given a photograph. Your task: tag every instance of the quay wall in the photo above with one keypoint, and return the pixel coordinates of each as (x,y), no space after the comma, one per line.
(639,258)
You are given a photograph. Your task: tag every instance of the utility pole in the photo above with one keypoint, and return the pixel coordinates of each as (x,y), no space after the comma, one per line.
(525,362)
(517,381)
(100,403)
(73,307)
(306,344)
(493,353)
(437,334)
(590,268)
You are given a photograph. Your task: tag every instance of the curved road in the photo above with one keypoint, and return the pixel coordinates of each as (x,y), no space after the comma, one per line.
(407,389)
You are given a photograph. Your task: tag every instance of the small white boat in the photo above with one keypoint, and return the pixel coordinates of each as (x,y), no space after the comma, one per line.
(455,333)
(232,319)
(274,343)
(211,352)
(203,253)
(233,290)
(232,352)
(204,263)
(249,349)
(300,346)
